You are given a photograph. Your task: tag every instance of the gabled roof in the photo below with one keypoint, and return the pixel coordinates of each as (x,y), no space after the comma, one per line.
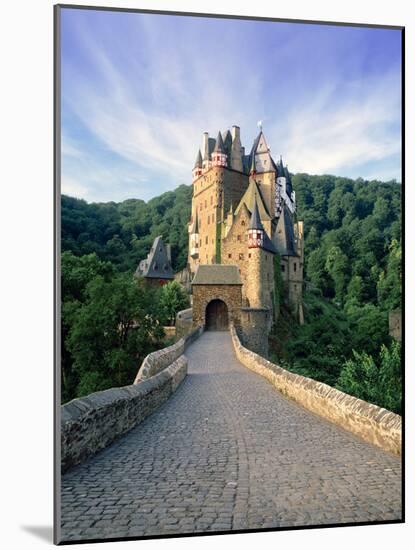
(256,141)
(217,274)
(251,194)
(157,264)
(285,234)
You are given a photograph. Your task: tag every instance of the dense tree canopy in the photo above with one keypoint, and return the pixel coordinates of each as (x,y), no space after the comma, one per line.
(353,275)
(353,261)
(124,232)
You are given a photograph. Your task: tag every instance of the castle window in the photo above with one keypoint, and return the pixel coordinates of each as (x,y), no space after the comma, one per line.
(282,267)
(249,255)
(229,255)
(243,222)
(241,256)
(206,240)
(208,219)
(213,218)
(295,266)
(238,237)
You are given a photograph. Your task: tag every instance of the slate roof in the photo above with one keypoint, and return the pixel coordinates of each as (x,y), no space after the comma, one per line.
(251,194)
(255,222)
(285,234)
(219,147)
(198,163)
(217,274)
(157,265)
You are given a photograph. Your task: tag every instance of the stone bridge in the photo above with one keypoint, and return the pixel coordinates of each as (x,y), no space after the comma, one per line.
(228,452)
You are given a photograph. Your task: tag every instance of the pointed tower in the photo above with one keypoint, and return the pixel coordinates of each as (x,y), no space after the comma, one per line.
(194,238)
(219,157)
(260,269)
(256,229)
(197,169)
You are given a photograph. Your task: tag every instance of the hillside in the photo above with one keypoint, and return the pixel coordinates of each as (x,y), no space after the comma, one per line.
(352,272)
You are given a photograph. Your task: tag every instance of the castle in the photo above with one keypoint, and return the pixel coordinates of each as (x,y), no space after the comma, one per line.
(243,217)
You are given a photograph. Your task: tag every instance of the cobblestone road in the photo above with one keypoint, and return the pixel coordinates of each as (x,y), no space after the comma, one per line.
(227,451)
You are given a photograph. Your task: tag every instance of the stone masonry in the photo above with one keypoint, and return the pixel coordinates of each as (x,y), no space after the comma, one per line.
(203,294)
(228,452)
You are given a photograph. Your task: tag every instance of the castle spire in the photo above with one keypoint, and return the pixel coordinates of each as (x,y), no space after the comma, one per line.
(255,222)
(197,169)
(219,157)
(199,161)
(219,147)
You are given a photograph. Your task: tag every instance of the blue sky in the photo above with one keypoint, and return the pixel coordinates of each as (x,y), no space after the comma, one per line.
(138,91)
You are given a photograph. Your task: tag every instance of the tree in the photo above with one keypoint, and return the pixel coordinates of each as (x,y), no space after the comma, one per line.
(389,283)
(337,266)
(112,332)
(76,273)
(376,381)
(172,300)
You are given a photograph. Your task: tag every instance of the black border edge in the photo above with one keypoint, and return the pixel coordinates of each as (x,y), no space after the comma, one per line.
(227,16)
(57,252)
(403,184)
(56,275)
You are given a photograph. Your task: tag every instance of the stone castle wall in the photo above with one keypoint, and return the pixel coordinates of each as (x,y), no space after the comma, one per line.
(93,422)
(211,203)
(158,360)
(203,294)
(259,284)
(254,329)
(370,422)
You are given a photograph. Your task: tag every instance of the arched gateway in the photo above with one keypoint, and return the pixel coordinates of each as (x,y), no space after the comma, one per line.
(217,296)
(217,315)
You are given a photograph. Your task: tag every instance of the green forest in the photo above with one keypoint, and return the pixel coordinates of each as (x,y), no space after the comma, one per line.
(110,320)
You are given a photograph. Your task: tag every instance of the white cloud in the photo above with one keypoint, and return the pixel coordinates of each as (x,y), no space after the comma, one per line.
(153,117)
(320,138)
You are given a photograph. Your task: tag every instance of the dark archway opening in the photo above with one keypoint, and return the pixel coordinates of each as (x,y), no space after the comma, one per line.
(217,315)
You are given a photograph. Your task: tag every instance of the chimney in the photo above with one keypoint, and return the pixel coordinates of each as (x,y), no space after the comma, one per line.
(236,132)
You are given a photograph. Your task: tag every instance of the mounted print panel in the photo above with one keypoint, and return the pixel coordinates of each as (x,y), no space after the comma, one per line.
(229,258)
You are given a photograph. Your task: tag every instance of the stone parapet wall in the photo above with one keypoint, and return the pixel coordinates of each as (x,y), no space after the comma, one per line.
(157,361)
(370,422)
(184,322)
(90,423)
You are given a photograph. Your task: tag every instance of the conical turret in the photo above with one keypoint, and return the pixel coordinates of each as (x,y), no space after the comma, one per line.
(256,229)
(197,169)
(219,157)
